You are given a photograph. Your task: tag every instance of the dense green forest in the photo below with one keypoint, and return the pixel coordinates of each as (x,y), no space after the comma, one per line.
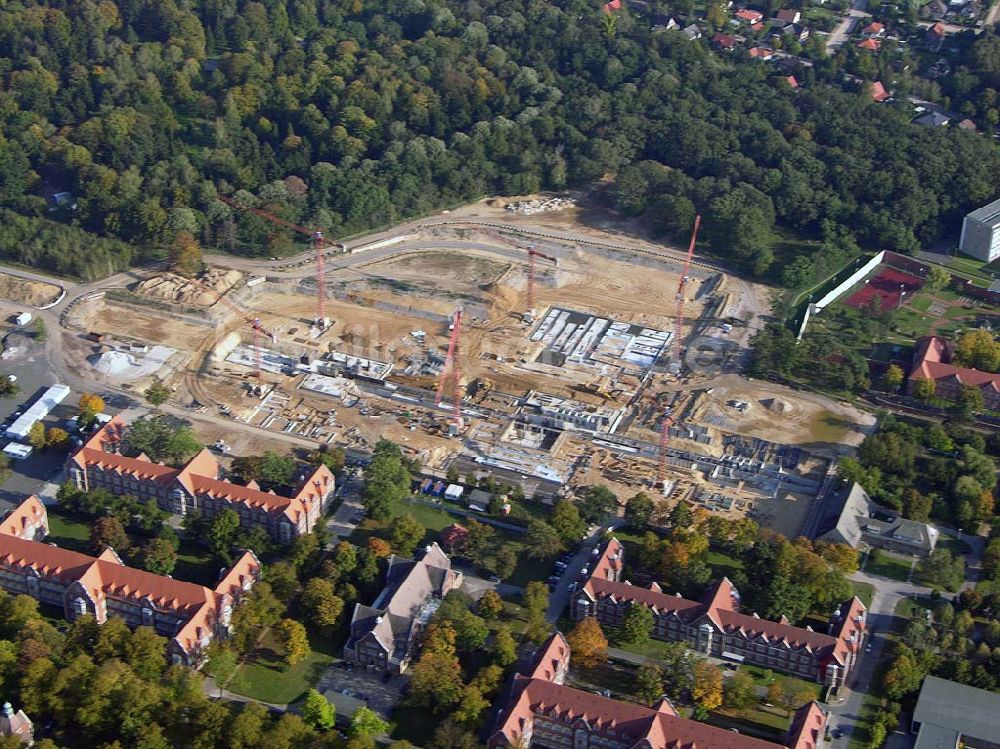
(351,114)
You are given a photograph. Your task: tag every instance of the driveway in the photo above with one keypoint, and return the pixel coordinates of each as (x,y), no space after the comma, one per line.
(845,710)
(341,524)
(349,690)
(559,596)
(844,29)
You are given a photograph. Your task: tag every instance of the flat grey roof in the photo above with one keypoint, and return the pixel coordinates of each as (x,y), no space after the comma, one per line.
(949,705)
(988,214)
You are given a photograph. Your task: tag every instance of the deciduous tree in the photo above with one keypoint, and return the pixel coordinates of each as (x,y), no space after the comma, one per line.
(320,603)
(185,255)
(706,691)
(638,510)
(588,643)
(739,692)
(317,712)
(407,532)
(637,624)
(294,641)
(649,682)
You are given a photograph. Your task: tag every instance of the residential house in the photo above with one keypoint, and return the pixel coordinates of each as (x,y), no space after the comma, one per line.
(761,53)
(540,711)
(664,23)
(932,119)
(725,42)
(932,357)
(611,7)
(781,29)
(874,30)
(935,35)
(692,32)
(749,17)
(791,81)
(99,464)
(872,45)
(950,714)
(16,724)
(788,15)
(716,627)
(190,615)
(384,636)
(851,517)
(878,92)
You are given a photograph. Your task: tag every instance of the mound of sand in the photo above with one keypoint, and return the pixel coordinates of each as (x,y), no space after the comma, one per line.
(173,288)
(113,362)
(777,405)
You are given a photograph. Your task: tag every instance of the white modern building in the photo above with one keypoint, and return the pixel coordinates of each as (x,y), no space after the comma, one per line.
(981,233)
(39,410)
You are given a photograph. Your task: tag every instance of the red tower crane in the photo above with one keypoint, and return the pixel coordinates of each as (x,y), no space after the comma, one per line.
(453,370)
(679,319)
(532,254)
(319,246)
(668,418)
(254,322)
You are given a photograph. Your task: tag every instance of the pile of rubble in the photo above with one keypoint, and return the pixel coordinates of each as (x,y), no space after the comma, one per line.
(529,207)
(179,290)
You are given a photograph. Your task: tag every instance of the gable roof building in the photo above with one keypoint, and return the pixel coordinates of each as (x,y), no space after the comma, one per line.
(384,635)
(788,15)
(16,724)
(191,615)
(879,94)
(852,518)
(99,464)
(931,361)
(716,626)
(948,713)
(540,710)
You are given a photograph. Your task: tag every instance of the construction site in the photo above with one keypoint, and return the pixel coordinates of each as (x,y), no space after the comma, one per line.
(553,361)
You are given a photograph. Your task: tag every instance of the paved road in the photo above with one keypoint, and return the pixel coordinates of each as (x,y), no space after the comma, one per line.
(846,709)
(844,29)
(573,578)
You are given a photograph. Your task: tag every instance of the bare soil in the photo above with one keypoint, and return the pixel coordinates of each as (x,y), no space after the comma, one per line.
(29,293)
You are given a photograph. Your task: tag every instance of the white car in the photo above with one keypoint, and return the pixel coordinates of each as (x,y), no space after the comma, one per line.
(12,378)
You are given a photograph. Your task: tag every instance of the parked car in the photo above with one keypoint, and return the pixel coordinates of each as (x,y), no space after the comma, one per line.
(494,578)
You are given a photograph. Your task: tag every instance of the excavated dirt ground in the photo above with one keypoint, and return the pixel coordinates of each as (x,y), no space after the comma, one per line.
(23,291)
(173,288)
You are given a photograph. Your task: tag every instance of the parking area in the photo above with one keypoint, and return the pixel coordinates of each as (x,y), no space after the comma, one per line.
(359,687)
(350,511)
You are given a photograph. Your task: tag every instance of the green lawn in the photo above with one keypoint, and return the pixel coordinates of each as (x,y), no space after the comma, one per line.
(435,519)
(68,531)
(194,563)
(864,591)
(791,684)
(263,676)
(884,564)
(765,723)
(722,564)
(922,303)
(972,267)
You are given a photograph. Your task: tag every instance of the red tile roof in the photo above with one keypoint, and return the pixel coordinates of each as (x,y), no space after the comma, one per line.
(628,723)
(198,476)
(929,363)
(748,15)
(724,40)
(879,94)
(788,16)
(29,514)
(873,28)
(550,656)
(938,29)
(612,6)
(872,44)
(762,52)
(808,726)
(792,82)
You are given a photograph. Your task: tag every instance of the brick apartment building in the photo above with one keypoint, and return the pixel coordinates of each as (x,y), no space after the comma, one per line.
(715,626)
(384,635)
(540,711)
(932,361)
(99,464)
(190,615)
